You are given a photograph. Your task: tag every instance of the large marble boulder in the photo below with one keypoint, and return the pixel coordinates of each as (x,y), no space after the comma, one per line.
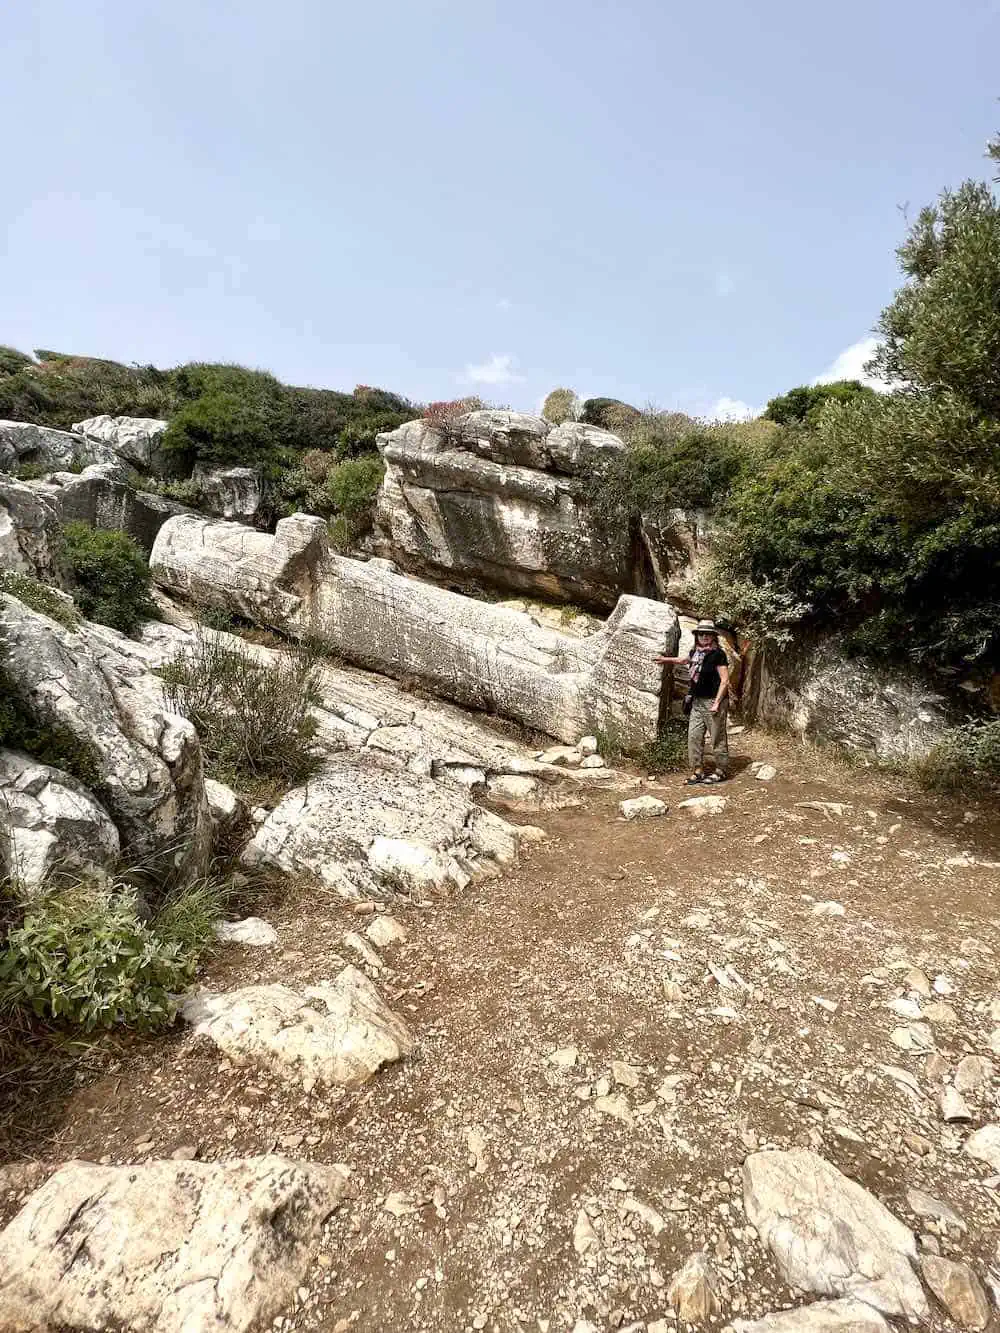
(137,440)
(816,690)
(22,443)
(102,497)
(229,492)
(29,531)
(498,498)
(478,654)
(143,759)
(203,1247)
(50,821)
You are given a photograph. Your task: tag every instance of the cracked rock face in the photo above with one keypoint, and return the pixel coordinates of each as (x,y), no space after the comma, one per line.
(477,654)
(232,492)
(137,440)
(337,1033)
(201,1247)
(95,685)
(21,443)
(500,500)
(30,533)
(364,828)
(51,821)
(829,1235)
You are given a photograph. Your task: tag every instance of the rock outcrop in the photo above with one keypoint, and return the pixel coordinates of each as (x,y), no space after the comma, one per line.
(480,655)
(50,821)
(29,531)
(817,691)
(137,440)
(102,497)
(364,827)
(335,1034)
(94,685)
(230,492)
(214,1247)
(24,444)
(498,499)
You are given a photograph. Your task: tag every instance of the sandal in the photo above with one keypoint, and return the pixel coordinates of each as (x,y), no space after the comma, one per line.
(695,779)
(714,779)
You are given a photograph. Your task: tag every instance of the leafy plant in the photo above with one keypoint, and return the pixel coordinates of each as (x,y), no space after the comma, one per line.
(81,956)
(561,405)
(803,405)
(970,751)
(110,576)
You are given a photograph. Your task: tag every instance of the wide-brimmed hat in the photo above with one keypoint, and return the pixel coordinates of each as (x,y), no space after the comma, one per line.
(706,627)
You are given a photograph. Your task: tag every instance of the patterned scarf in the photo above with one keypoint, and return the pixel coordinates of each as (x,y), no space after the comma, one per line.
(695,662)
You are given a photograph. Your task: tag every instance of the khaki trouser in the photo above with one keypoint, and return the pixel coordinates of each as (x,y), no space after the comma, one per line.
(700,720)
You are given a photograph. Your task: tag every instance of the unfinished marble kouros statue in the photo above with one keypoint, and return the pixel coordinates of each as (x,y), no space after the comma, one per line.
(478,654)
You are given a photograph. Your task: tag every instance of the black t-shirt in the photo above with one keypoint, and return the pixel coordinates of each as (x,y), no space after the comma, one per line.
(707,684)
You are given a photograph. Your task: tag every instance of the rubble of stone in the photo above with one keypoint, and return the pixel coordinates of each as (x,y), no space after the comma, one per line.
(480,655)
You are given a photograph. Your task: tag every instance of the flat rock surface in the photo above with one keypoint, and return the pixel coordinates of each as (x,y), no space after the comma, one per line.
(165,1247)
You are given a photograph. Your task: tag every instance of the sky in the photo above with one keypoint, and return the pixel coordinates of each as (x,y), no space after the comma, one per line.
(692,206)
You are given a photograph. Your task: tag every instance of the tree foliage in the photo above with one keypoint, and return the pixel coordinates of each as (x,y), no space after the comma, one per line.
(610,414)
(561,405)
(805,402)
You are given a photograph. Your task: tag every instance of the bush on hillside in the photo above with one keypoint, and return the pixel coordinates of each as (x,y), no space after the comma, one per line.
(561,405)
(610,414)
(78,955)
(968,752)
(804,404)
(60,390)
(110,576)
(12,361)
(254,718)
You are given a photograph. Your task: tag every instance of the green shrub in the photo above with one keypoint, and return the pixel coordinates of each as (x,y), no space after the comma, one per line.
(253,717)
(40,597)
(803,405)
(110,576)
(81,956)
(353,485)
(968,752)
(610,414)
(222,428)
(47,741)
(12,361)
(561,405)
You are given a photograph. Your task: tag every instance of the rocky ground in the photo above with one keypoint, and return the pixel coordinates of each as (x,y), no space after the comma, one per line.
(606,1037)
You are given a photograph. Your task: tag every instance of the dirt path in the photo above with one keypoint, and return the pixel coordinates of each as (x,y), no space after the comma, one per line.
(711,1009)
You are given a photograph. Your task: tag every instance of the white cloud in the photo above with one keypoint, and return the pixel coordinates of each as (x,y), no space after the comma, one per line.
(850,365)
(731,409)
(499,369)
(504,303)
(724,284)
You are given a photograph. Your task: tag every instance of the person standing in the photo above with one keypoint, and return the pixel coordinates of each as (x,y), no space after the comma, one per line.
(706,703)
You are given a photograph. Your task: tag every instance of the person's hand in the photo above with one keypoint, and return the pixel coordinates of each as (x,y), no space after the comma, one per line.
(715,707)
(663,661)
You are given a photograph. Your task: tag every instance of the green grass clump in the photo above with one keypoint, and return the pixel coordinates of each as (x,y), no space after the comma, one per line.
(970,752)
(40,597)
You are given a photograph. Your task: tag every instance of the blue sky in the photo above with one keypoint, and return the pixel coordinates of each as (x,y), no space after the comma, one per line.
(687,204)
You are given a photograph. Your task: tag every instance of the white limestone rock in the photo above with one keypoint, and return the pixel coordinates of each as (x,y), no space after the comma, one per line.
(364,830)
(984,1146)
(844,1316)
(252,931)
(498,498)
(30,531)
(97,686)
(700,806)
(958,1289)
(385,931)
(204,1247)
(643,807)
(338,1033)
(23,443)
(481,655)
(829,1235)
(231,492)
(137,440)
(51,822)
